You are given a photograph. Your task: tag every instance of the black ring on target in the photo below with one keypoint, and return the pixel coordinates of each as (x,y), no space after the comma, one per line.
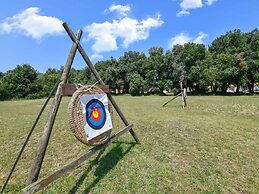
(95,114)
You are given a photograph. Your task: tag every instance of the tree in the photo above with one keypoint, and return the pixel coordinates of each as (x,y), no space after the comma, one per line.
(136,85)
(48,80)
(109,72)
(131,62)
(19,83)
(244,47)
(251,58)
(230,73)
(231,43)
(74,76)
(157,75)
(205,74)
(185,57)
(112,75)
(1,74)
(177,64)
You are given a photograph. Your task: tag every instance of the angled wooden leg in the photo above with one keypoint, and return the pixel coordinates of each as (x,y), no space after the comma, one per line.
(172,99)
(34,174)
(123,118)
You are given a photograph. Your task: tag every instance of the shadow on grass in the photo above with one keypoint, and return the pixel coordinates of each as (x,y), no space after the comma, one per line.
(105,164)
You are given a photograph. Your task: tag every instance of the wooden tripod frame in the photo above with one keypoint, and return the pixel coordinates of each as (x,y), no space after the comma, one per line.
(34,184)
(182,93)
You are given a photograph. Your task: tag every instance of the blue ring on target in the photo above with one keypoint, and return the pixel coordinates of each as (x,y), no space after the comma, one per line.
(95,114)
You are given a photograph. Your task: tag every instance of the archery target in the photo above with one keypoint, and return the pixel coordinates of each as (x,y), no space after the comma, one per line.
(97,119)
(95,114)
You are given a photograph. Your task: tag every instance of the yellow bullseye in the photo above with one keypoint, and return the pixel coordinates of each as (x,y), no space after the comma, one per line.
(95,114)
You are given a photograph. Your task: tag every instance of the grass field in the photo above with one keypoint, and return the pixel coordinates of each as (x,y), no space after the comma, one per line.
(212,146)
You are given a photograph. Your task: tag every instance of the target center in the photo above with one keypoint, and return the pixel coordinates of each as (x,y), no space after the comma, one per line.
(95,113)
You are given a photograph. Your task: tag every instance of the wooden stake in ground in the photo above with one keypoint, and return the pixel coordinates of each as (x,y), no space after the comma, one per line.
(183,93)
(184,96)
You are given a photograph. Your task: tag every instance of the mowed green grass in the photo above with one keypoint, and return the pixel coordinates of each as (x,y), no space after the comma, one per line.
(211,146)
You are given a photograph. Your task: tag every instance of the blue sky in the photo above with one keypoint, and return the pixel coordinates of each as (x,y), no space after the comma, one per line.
(31,30)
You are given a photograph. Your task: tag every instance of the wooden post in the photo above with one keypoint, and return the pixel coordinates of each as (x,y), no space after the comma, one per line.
(34,174)
(97,76)
(183,90)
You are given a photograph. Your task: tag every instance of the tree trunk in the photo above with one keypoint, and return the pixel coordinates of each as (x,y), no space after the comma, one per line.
(249,88)
(126,87)
(215,88)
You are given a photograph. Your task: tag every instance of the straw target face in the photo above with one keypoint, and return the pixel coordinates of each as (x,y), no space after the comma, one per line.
(95,114)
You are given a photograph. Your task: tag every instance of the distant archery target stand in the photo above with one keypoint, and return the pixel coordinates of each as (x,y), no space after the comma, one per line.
(182,93)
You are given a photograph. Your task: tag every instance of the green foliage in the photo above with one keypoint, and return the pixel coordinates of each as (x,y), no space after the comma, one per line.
(48,80)
(158,74)
(251,58)
(136,85)
(231,43)
(204,74)
(19,83)
(231,59)
(229,71)
(1,75)
(130,63)
(237,55)
(185,57)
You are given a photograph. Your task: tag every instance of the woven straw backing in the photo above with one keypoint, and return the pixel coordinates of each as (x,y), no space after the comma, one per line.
(76,119)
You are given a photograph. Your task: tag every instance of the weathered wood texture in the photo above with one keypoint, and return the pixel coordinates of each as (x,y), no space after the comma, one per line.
(34,174)
(34,187)
(98,78)
(184,104)
(69,89)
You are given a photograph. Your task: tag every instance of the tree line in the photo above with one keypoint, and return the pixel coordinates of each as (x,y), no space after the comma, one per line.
(232,58)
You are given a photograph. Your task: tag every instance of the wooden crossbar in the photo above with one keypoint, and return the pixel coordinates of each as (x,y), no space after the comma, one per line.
(36,186)
(69,89)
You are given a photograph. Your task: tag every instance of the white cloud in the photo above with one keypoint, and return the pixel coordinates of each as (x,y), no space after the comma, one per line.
(182,13)
(30,23)
(199,39)
(210,2)
(190,4)
(128,30)
(180,39)
(120,9)
(183,38)
(96,56)
(102,33)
